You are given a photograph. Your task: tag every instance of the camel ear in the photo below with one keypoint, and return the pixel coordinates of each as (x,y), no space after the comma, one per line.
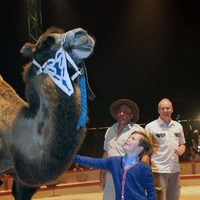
(27,50)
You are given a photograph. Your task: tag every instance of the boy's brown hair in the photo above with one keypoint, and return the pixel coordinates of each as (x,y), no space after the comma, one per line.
(145,142)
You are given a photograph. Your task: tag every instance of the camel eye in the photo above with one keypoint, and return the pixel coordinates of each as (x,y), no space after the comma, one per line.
(48,42)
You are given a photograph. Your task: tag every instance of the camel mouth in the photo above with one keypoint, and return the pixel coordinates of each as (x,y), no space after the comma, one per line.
(83,48)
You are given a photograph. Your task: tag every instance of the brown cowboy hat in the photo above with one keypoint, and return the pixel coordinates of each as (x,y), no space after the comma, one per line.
(116,104)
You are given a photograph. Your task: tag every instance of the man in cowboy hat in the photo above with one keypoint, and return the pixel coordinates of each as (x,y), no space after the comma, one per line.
(126,114)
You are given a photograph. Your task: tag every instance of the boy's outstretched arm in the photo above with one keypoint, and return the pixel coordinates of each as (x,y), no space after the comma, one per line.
(98,163)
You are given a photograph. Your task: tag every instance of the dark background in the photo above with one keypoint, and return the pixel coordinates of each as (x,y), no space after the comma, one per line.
(145,50)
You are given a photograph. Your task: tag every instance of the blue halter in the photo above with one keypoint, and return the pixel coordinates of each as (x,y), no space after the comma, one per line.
(83,117)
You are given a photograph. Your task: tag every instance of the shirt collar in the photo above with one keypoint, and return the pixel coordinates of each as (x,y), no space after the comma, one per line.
(162,123)
(127,128)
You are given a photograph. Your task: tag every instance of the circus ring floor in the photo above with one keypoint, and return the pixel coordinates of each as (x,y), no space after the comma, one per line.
(84,185)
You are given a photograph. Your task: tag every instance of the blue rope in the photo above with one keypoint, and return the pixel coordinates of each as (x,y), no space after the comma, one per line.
(83,117)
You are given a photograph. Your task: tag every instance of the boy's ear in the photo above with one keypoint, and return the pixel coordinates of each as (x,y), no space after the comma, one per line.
(140,149)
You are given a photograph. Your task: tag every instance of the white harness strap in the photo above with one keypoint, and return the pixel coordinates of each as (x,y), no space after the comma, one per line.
(56,68)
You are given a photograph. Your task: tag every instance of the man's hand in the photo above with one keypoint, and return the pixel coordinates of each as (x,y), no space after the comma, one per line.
(102,176)
(180,150)
(102,179)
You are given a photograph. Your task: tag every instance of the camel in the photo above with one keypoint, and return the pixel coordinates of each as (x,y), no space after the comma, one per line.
(39,136)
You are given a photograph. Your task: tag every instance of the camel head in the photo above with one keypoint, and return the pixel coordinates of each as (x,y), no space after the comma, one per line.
(60,55)
(76,42)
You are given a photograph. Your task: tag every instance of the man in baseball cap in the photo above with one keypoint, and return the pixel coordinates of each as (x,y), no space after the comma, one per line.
(126,114)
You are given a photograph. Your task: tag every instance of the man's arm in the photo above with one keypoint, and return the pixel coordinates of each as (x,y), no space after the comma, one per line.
(102,176)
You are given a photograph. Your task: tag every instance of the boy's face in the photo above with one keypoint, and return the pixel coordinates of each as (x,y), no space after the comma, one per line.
(132,144)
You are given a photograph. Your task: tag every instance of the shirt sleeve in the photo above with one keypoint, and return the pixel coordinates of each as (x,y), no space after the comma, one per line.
(147,129)
(182,137)
(107,138)
(98,163)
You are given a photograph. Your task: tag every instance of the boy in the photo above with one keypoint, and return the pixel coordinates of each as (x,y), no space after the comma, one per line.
(133,179)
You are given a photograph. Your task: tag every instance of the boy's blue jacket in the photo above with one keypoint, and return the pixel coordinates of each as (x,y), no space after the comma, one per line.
(134,183)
